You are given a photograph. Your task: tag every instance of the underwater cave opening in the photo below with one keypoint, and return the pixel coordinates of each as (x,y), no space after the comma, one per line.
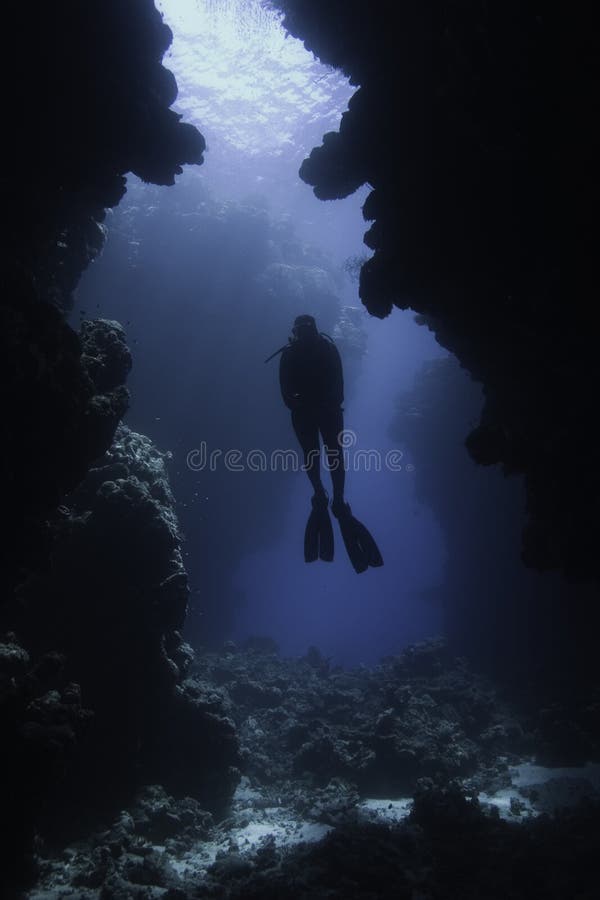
(209,274)
(134,766)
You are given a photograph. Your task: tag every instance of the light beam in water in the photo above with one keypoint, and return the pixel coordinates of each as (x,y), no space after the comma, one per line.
(243,80)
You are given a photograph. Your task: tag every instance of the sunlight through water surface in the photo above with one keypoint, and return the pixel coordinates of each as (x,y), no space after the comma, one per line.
(244,82)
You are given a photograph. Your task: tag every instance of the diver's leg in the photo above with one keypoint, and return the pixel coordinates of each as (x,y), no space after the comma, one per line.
(331,424)
(306,426)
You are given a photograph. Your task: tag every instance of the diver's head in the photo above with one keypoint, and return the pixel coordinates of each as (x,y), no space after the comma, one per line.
(305,328)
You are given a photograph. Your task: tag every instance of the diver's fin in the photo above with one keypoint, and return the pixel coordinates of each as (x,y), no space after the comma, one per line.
(325,537)
(318,535)
(358,540)
(367,542)
(356,553)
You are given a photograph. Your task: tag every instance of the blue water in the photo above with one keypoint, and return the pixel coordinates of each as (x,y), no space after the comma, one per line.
(355,618)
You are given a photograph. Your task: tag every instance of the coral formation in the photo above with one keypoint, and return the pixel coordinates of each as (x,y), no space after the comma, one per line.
(313,832)
(102,626)
(416,715)
(113,603)
(63,407)
(58,418)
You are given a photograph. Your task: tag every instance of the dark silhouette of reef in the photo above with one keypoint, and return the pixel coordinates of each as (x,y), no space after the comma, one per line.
(93,673)
(472,124)
(94,106)
(58,418)
(86,101)
(112,606)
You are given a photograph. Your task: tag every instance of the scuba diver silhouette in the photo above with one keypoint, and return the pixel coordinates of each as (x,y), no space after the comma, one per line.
(312,386)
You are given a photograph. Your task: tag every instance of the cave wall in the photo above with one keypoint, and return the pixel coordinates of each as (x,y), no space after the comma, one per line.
(93,106)
(112,606)
(86,100)
(472,125)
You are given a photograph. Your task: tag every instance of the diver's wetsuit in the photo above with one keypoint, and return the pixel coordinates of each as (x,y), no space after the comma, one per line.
(312,386)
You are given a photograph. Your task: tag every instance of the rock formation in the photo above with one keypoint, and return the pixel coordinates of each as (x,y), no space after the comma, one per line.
(88,101)
(472,125)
